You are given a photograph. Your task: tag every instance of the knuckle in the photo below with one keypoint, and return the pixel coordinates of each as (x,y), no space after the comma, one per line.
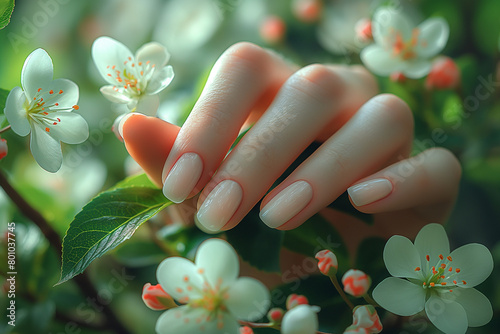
(318,81)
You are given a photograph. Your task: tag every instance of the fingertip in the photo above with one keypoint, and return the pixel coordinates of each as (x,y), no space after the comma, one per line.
(149,141)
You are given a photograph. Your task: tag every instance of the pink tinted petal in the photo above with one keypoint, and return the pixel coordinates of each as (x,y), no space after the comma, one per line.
(37,72)
(402,258)
(433,241)
(108,52)
(153,52)
(448,316)
(400,296)
(248,299)
(15,112)
(45,149)
(218,262)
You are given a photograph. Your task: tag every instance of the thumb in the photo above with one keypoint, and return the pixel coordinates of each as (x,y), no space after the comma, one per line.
(149,141)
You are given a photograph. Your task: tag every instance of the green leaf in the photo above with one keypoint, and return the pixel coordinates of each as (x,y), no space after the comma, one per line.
(453,110)
(256,243)
(140,180)
(108,220)
(6,9)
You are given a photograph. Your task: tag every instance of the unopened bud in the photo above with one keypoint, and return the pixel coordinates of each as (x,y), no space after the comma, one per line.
(366,316)
(156,298)
(363,30)
(397,77)
(294,300)
(444,74)
(4,149)
(328,264)
(246,330)
(356,282)
(356,330)
(307,10)
(273,29)
(275,315)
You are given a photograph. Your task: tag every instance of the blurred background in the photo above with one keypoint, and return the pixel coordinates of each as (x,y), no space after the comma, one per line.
(196,32)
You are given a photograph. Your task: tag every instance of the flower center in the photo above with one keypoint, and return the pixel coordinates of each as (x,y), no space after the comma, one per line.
(405,49)
(134,77)
(442,275)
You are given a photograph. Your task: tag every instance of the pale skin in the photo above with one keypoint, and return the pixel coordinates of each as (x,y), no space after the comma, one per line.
(365,137)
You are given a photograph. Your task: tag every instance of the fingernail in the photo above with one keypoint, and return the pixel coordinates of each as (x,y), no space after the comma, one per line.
(370,191)
(286,204)
(183,177)
(122,119)
(220,205)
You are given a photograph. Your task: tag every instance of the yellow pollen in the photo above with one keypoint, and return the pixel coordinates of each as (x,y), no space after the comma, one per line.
(443,283)
(51,92)
(432,284)
(454,282)
(76,107)
(417,269)
(61,91)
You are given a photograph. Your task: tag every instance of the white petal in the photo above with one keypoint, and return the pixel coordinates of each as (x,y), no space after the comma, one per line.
(154,52)
(37,72)
(448,316)
(15,112)
(148,105)
(476,305)
(433,37)
(433,241)
(115,96)
(400,296)
(219,261)
(188,320)
(417,69)
(475,263)
(402,258)
(176,274)
(301,319)
(72,128)
(65,93)
(45,149)
(248,299)
(386,23)
(160,80)
(108,52)
(380,61)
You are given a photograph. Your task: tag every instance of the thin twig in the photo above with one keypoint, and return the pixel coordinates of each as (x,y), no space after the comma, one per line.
(341,292)
(5,129)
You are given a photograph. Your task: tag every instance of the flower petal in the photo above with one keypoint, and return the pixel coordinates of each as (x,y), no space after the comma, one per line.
(402,258)
(248,299)
(160,80)
(154,52)
(433,37)
(16,113)
(45,149)
(188,320)
(72,128)
(448,316)
(475,263)
(108,52)
(37,72)
(417,69)
(65,93)
(380,61)
(179,278)
(148,105)
(386,23)
(400,296)
(115,96)
(218,260)
(476,305)
(433,241)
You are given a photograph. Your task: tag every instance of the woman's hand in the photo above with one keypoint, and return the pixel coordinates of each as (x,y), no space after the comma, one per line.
(366,143)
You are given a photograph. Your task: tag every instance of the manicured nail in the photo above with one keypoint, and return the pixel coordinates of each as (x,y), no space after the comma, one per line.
(286,204)
(183,177)
(120,120)
(220,205)
(370,191)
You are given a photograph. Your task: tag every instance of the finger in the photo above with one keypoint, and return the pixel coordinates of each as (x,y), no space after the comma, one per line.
(428,183)
(239,79)
(380,130)
(310,98)
(149,141)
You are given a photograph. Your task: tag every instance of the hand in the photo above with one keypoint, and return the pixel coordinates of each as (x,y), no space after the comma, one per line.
(366,146)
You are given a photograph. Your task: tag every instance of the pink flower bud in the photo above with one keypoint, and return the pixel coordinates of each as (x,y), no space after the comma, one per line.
(246,330)
(356,282)
(356,330)
(307,10)
(363,30)
(397,77)
(295,300)
(4,149)
(328,264)
(444,74)
(275,315)
(155,298)
(273,29)
(366,317)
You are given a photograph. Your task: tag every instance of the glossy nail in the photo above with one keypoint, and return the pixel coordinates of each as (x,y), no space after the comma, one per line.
(370,191)
(120,121)
(286,204)
(220,205)
(183,177)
